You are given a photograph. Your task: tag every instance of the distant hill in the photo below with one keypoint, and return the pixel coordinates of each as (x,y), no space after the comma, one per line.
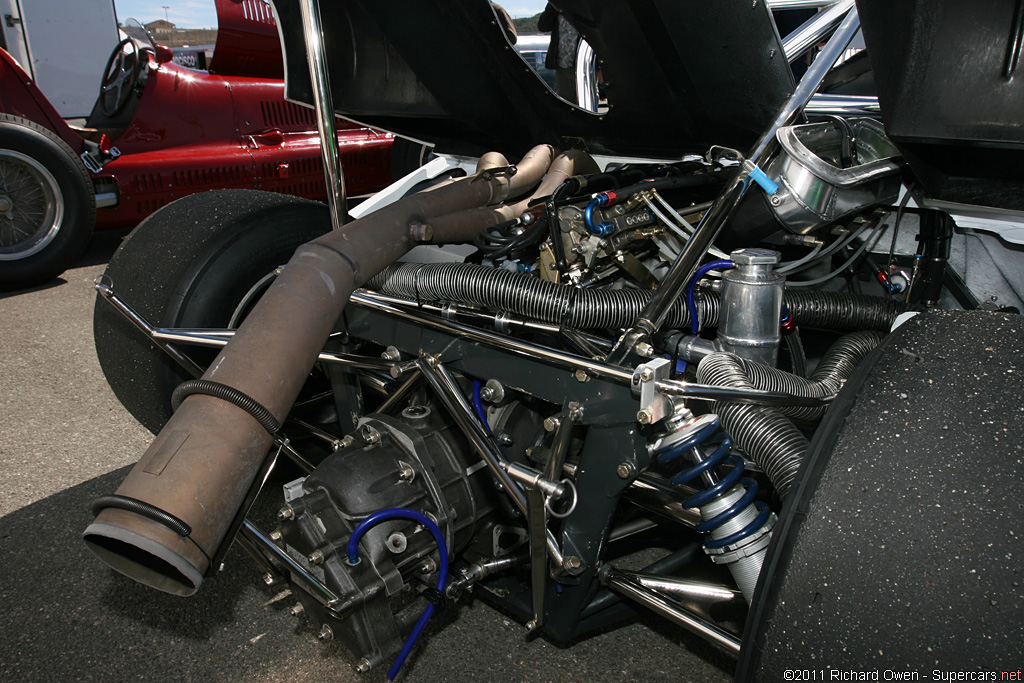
(527,24)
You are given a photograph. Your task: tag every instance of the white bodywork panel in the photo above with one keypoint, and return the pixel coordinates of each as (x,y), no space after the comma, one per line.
(63,46)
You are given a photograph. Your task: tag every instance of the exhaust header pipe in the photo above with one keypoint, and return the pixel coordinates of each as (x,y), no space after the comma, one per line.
(174,510)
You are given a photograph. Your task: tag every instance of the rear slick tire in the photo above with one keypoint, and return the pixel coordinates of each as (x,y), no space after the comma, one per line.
(899,549)
(190,264)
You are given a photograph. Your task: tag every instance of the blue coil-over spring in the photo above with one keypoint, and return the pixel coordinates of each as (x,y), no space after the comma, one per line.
(710,435)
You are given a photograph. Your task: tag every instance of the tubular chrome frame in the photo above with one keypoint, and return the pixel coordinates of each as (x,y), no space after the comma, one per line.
(316,56)
(626,585)
(812,31)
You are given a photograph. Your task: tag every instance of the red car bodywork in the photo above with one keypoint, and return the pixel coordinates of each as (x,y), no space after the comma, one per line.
(194,131)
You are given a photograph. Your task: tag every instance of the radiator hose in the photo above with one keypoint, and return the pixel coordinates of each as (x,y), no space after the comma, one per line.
(767,434)
(585,308)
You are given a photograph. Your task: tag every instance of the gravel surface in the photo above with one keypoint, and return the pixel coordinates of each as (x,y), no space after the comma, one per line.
(66,440)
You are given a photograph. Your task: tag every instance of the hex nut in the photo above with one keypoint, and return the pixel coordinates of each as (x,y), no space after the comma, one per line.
(644,350)
(325,634)
(421,232)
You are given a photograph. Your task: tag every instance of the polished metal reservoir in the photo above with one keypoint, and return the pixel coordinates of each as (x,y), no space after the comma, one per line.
(751,306)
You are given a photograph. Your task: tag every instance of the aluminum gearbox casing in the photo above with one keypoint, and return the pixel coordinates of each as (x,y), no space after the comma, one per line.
(414,461)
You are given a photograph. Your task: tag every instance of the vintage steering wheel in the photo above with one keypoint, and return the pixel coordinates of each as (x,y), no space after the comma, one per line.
(121,75)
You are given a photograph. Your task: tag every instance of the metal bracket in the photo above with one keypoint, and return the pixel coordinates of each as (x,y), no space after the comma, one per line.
(496,172)
(654,405)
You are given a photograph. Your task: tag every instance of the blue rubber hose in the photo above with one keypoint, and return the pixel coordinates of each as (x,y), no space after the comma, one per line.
(442,576)
(478,404)
(602,229)
(691,305)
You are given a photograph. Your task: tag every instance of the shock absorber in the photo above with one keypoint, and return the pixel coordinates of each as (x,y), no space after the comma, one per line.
(738,526)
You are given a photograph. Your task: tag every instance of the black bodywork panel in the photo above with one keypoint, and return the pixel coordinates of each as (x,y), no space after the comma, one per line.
(948,101)
(680,76)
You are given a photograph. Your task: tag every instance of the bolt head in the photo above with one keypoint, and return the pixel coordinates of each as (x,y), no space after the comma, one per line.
(493,391)
(551,424)
(363,666)
(644,416)
(275,536)
(573,562)
(625,470)
(286,513)
(644,350)
(297,609)
(315,557)
(325,634)
(531,625)
(370,435)
(391,353)
(269,579)
(646,375)
(581,376)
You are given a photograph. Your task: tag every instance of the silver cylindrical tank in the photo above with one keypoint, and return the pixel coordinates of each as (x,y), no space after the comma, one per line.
(751,305)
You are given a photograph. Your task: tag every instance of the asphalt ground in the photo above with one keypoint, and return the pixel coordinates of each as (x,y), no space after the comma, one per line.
(66,617)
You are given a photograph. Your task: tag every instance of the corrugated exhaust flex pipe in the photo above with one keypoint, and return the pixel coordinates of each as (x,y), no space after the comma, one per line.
(176,506)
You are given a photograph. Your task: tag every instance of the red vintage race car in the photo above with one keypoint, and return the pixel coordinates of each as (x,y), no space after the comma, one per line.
(160,131)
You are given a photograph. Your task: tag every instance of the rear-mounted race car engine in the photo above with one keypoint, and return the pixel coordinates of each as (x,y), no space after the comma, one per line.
(411,461)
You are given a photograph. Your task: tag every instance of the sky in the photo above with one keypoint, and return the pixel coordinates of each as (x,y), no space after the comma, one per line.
(201,13)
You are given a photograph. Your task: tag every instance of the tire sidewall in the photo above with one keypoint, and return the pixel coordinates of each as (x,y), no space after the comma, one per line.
(75,191)
(177,272)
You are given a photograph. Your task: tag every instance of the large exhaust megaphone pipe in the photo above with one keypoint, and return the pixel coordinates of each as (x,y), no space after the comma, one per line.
(193,479)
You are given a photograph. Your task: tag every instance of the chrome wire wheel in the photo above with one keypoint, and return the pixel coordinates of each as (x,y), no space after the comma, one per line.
(31,206)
